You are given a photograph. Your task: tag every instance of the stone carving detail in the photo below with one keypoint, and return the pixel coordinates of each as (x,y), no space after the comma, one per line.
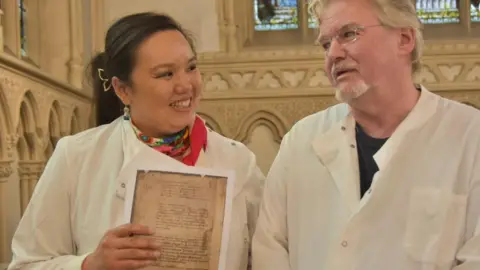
(474,74)
(27,169)
(5,169)
(309,78)
(11,142)
(15,86)
(216,83)
(294,78)
(242,80)
(269,80)
(29,173)
(426,76)
(319,78)
(232,116)
(450,72)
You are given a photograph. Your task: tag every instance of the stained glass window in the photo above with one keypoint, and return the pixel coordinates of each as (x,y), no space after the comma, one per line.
(23,36)
(312,21)
(438,11)
(275,14)
(475,11)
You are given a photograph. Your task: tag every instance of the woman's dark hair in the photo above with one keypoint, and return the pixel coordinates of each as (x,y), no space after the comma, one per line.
(118,59)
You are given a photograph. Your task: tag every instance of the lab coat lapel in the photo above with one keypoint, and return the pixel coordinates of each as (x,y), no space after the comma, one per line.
(202,160)
(421,113)
(130,146)
(336,149)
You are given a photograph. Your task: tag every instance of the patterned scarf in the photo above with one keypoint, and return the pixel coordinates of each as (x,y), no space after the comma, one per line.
(175,145)
(179,143)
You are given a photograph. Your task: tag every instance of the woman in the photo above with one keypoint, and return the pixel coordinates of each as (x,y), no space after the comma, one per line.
(149,68)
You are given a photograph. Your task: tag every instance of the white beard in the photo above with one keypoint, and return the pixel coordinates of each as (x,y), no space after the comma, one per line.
(350,93)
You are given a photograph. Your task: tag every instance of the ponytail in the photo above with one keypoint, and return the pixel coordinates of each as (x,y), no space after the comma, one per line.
(108,106)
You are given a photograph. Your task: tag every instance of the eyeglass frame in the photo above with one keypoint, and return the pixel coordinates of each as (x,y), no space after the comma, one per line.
(356,28)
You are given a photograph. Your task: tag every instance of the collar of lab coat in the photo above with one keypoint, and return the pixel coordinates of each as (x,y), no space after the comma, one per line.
(421,112)
(336,147)
(132,146)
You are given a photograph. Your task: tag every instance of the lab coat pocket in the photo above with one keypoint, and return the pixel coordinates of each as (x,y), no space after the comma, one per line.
(435,222)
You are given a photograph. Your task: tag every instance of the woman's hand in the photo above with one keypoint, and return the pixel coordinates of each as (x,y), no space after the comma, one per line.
(123,248)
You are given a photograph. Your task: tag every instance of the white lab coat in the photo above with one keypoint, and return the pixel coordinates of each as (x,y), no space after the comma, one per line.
(421,213)
(80,196)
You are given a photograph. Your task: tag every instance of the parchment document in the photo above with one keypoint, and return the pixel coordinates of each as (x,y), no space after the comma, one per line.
(187,213)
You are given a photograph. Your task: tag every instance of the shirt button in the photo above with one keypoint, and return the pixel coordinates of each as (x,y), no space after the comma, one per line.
(344,244)
(343,128)
(123,185)
(352,145)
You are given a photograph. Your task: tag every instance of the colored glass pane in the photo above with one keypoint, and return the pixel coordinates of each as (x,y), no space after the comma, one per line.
(312,21)
(275,14)
(23,37)
(438,11)
(475,11)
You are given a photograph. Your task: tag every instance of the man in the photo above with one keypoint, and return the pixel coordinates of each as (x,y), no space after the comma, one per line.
(388,180)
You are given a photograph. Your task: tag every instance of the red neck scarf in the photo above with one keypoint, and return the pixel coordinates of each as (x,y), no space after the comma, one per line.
(198,142)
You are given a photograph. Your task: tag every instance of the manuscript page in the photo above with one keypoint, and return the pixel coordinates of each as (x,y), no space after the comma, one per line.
(187,213)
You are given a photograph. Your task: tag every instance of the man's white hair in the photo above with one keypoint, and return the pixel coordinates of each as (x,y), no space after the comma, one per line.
(391,13)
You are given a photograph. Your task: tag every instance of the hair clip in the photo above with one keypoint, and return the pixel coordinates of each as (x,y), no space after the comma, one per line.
(106,85)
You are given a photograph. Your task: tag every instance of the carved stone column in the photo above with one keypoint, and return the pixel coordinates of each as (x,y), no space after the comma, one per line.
(11,26)
(55,43)
(1,31)
(5,172)
(303,21)
(29,172)
(97,25)
(229,29)
(75,65)
(5,169)
(464,7)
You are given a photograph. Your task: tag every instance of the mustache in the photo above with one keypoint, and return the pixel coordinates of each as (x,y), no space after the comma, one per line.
(339,67)
(336,68)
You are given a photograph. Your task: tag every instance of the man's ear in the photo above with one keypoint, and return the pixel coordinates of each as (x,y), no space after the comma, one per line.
(121,90)
(407,40)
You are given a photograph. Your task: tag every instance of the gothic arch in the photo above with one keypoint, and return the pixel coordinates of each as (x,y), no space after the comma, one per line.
(27,147)
(75,122)
(266,118)
(5,124)
(27,129)
(211,123)
(54,128)
(54,118)
(23,150)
